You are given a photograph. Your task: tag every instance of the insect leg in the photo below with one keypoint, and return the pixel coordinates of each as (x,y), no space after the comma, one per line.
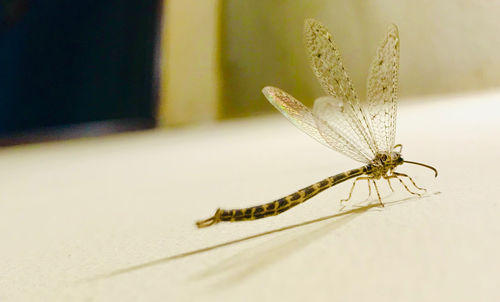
(389,182)
(413,182)
(378,194)
(404,185)
(352,188)
(369,188)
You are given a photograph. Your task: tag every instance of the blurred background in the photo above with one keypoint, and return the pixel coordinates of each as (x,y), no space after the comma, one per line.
(85,68)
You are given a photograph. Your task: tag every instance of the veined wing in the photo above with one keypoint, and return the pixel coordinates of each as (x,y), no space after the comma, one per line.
(314,126)
(333,112)
(382,90)
(329,69)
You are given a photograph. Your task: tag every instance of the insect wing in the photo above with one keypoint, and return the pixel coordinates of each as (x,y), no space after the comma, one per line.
(382,90)
(294,111)
(333,112)
(328,67)
(327,63)
(314,126)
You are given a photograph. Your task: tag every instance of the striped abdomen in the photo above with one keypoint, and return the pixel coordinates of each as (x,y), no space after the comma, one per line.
(283,204)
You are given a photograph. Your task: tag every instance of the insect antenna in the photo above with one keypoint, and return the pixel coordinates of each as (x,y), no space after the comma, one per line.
(423,165)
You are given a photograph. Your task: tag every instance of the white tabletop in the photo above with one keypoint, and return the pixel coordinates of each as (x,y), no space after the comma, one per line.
(103,219)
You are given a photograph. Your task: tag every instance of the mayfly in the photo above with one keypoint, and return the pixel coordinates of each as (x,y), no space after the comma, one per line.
(363,131)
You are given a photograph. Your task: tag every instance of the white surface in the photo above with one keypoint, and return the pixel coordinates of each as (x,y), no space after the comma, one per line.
(75,210)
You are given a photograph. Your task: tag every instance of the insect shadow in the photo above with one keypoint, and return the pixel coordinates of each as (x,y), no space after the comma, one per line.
(257,260)
(244,263)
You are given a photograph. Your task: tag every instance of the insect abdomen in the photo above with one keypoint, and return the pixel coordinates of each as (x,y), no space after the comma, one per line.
(280,205)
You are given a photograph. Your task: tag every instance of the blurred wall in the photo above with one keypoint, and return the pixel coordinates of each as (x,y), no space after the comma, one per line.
(190,62)
(446,46)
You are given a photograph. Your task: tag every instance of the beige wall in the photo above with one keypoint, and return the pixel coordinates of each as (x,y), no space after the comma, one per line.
(190,79)
(446,47)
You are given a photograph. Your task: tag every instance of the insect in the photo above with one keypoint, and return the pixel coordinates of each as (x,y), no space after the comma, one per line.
(363,131)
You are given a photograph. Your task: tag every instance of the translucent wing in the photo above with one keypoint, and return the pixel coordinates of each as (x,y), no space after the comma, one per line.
(327,63)
(311,124)
(329,69)
(333,112)
(382,90)
(294,111)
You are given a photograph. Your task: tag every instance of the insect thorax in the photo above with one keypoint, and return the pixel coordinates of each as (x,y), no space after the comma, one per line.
(383,163)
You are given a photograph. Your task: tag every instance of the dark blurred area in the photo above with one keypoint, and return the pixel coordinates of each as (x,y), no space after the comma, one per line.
(64,64)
